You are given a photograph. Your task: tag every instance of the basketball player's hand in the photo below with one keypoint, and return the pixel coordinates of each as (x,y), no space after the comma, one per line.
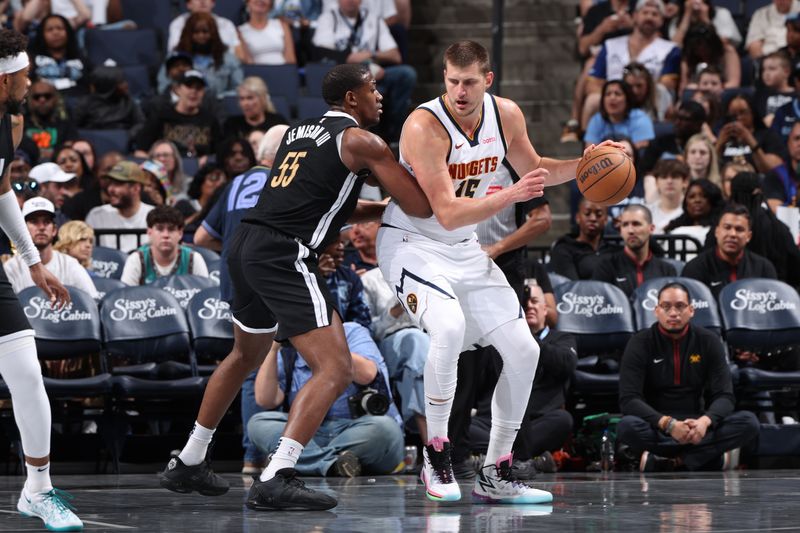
(592,147)
(45,280)
(531,185)
(680,432)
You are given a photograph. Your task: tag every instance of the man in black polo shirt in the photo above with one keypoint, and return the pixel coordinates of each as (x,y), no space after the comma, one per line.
(631,266)
(576,257)
(667,373)
(729,260)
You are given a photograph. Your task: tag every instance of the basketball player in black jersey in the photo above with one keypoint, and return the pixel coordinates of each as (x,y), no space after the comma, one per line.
(19,365)
(310,193)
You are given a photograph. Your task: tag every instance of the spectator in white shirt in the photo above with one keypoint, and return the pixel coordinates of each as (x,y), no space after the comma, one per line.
(227,30)
(125,209)
(766,32)
(353,34)
(40,215)
(268,41)
(165,255)
(672,179)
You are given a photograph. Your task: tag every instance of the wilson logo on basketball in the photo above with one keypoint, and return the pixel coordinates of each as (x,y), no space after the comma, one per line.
(596,169)
(411,301)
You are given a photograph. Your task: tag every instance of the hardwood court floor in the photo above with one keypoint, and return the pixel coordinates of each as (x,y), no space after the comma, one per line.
(757,500)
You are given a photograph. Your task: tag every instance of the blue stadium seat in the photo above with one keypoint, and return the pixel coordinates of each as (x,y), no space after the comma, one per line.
(557,279)
(645,298)
(311,107)
(230,105)
(663,128)
(600,318)
(125,47)
(190,165)
(213,270)
(156,14)
(183,286)
(751,6)
(104,141)
(105,285)
(281,106)
(314,74)
(734,6)
(230,9)
(140,85)
(211,326)
(208,254)
(108,262)
(677,263)
(282,80)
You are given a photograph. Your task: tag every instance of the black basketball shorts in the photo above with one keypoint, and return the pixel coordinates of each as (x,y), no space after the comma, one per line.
(276,281)
(13,318)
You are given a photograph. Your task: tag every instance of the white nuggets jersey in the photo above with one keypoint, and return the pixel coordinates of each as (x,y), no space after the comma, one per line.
(476,163)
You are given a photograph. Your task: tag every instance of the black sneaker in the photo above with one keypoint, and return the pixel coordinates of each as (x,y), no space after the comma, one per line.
(466,469)
(285,492)
(178,477)
(346,465)
(650,462)
(545,463)
(525,470)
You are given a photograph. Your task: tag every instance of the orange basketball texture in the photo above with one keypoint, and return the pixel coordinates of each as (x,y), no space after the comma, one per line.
(606,176)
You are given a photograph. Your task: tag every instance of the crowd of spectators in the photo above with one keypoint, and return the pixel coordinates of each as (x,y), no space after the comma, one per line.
(709,118)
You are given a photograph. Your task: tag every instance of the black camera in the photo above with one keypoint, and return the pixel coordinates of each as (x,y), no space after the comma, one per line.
(368,401)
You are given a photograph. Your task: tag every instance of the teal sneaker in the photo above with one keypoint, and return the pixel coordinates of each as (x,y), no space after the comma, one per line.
(52,507)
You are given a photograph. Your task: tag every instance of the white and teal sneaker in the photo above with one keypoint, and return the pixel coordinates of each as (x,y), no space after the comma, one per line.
(496,484)
(437,472)
(53,507)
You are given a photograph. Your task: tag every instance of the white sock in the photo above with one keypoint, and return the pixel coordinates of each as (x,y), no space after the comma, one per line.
(285,456)
(437,414)
(38,479)
(501,440)
(196,447)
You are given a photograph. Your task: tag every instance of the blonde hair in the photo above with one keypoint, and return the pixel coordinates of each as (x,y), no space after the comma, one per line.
(71,234)
(257,86)
(712,174)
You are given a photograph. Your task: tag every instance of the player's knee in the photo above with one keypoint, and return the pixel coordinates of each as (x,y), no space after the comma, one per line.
(449,332)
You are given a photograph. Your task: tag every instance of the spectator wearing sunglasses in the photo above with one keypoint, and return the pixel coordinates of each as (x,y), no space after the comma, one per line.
(52,182)
(47,122)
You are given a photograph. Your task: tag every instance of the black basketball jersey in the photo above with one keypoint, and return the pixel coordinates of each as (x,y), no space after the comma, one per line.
(310,193)
(6,144)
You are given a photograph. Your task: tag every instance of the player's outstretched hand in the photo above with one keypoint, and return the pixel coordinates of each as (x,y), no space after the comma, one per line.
(55,291)
(592,147)
(531,185)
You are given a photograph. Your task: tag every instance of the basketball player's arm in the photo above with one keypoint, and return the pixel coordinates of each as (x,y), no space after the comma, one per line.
(362,149)
(203,238)
(368,210)
(538,222)
(523,156)
(426,145)
(12,223)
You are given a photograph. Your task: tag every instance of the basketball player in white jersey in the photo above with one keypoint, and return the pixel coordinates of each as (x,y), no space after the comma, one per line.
(19,365)
(457,146)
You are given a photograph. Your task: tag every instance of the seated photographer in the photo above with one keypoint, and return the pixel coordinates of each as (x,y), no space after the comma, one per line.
(362,430)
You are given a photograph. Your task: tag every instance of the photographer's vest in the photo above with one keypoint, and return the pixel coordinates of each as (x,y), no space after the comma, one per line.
(149,273)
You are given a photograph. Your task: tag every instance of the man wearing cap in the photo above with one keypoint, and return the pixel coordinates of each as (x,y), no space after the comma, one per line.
(194,130)
(40,217)
(19,364)
(767,29)
(167,82)
(52,180)
(125,209)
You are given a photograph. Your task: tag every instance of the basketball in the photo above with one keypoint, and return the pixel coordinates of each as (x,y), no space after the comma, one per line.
(606,176)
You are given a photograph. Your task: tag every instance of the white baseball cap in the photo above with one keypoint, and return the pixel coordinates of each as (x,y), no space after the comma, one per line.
(50,172)
(36,204)
(658,4)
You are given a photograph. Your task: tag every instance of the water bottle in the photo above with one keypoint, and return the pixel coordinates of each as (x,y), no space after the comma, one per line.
(606,453)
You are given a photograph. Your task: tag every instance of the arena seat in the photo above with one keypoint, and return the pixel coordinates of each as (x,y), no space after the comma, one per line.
(281,106)
(108,262)
(104,141)
(211,327)
(645,298)
(314,74)
(105,285)
(310,107)
(207,253)
(751,6)
(213,270)
(125,47)
(156,14)
(762,316)
(282,80)
(557,279)
(140,86)
(600,318)
(183,286)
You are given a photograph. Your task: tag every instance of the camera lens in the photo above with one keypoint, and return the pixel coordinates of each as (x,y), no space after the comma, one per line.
(375,403)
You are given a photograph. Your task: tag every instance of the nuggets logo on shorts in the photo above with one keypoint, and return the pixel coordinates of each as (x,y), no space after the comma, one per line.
(411,301)
(694,358)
